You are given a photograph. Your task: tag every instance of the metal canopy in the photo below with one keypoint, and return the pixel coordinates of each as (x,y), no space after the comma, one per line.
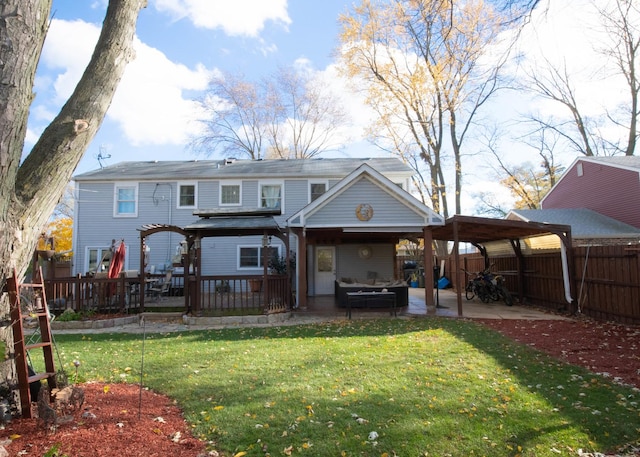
(233,226)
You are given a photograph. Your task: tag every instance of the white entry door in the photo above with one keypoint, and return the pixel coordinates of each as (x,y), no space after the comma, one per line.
(325,271)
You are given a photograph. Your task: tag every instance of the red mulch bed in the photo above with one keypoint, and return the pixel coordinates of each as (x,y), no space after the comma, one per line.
(602,347)
(116,430)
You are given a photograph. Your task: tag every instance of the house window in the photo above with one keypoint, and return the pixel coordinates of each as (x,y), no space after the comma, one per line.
(97,259)
(230,194)
(316,189)
(271,196)
(251,256)
(187,195)
(126,200)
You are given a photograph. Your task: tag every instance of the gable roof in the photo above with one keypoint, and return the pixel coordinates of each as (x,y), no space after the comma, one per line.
(365,171)
(584,222)
(625,162)
(336,168)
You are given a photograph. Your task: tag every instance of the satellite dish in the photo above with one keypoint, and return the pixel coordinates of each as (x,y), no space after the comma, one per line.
(103,155)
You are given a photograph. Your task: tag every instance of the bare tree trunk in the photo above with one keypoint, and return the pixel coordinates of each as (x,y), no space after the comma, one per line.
(30,191)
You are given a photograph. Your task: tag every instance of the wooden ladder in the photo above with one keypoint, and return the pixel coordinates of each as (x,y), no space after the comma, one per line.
(39,310)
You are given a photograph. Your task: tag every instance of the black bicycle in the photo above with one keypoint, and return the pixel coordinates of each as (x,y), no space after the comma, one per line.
(477,287)
(487,287)
(498,290)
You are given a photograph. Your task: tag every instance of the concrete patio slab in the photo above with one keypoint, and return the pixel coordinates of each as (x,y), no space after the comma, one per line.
(474,309)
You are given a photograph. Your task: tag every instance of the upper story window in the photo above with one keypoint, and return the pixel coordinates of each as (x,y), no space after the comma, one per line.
(230,193)
(271,196)
(187,194)
(316,189)
(125,200)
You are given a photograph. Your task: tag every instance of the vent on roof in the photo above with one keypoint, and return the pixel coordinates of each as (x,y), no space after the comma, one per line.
(229,160)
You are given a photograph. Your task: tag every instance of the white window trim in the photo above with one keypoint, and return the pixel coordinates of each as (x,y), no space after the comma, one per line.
(259,247)
(195,194)
(229,183)
(326,187)
(580,170)
(121,185)
(100,250)
(271,183)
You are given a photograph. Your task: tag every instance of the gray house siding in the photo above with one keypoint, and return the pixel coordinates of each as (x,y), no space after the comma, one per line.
(157,204)
(95,201)
(208,194)
(157,183)
(95,225)
(220,255)
(350,265)
(386,209)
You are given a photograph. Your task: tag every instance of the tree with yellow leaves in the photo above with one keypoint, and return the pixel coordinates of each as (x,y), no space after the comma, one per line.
(61,231)
(426,72)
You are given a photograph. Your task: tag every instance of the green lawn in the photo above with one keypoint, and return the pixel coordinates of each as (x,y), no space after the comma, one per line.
(384,387)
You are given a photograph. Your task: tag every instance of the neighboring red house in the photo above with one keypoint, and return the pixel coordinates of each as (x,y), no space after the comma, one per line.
(607,185)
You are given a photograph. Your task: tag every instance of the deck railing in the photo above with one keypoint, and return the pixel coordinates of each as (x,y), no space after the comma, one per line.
(215,295)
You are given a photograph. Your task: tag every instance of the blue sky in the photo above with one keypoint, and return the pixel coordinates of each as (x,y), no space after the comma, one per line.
(180,44)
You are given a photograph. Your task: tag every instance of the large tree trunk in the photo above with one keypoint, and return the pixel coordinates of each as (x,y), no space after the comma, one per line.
(30,191)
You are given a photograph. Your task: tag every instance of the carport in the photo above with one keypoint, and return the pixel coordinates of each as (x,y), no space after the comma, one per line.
(478,231)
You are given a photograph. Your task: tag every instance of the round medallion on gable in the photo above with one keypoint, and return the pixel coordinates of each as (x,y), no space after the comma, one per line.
(364,212)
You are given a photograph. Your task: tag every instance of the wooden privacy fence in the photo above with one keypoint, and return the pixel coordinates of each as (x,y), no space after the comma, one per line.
(606,280)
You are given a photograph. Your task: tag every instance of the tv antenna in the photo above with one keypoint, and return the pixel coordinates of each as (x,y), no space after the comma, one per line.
(103,155)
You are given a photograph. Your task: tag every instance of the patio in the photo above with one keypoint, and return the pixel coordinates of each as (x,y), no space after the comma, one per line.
(448,307)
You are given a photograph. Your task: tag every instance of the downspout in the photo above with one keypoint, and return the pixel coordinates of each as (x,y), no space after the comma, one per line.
(565,274)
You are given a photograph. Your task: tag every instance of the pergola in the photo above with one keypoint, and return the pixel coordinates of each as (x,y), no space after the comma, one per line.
(479,230)
(218,223)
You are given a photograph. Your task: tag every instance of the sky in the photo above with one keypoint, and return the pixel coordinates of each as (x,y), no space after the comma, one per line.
(181,44)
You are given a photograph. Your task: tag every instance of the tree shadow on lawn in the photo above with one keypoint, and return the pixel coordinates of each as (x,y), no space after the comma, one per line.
(606,411)
(569,398)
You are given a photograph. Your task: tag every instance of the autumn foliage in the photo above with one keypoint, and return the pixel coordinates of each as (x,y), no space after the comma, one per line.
(60,231)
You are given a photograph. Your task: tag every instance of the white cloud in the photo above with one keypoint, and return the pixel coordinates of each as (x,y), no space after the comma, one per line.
(151,105)
(237,18)
(360,115)
(68,47)
(570,34)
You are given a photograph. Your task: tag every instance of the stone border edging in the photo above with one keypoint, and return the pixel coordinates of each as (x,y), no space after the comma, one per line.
(186,320)
(93,324)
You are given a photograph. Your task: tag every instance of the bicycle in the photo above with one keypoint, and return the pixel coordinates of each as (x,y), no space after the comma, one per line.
(477,286)
(487,287)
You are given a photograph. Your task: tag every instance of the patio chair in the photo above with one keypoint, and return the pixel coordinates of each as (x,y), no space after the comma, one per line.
(162,288)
